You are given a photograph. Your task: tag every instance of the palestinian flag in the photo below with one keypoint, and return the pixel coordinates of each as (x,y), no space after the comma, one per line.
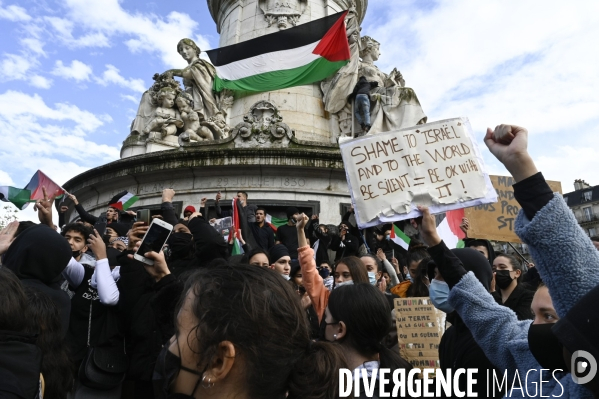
(32,192)
(449,229)
(274,223)
(399,237)
(123,200)
(237,247)
(297,56)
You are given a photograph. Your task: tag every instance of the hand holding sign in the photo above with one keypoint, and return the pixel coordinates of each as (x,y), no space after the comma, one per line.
(509,144)
(436,164)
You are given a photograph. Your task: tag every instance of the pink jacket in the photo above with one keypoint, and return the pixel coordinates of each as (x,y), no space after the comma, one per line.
(319,294)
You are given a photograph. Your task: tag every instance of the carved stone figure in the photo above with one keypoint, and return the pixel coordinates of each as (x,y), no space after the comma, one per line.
(394,105)
(165,119)
(284,13)
(340,86)
(263,125)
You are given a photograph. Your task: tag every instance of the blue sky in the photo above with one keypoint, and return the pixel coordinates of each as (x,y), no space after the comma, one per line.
(72,71)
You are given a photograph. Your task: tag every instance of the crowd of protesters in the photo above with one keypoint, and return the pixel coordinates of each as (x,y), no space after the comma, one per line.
(80,317)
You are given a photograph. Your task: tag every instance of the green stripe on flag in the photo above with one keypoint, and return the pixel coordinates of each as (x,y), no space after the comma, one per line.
(313,72)
(130,202)
(18,197)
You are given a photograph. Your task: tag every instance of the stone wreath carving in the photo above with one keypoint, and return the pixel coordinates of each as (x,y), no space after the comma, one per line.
(262,124)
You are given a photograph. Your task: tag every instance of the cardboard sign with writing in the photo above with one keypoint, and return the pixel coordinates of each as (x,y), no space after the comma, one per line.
(419,329)
(436,164)
(496,221)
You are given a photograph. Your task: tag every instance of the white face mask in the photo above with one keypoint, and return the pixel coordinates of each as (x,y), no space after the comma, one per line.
(349,282)
(286,276)
(372,278)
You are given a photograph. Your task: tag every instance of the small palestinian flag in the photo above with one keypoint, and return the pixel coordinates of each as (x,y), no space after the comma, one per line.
(399,237)
(297,56)
(449,229)
(32,192)
(237,247)
(123,201)
(274,223)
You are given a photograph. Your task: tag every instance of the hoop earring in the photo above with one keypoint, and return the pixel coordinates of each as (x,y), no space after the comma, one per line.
(207,385)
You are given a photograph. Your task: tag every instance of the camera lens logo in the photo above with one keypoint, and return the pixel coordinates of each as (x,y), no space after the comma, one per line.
(583,367)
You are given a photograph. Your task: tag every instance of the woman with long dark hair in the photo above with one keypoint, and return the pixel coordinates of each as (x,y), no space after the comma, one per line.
(45,323)
(358,318)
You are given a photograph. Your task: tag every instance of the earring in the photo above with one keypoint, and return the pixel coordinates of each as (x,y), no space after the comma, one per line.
(335,337)
(207,385)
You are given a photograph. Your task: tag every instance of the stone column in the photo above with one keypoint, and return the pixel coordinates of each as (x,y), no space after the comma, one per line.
(240,20)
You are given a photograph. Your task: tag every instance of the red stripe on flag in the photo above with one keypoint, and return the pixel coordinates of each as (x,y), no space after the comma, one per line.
(235,227)
(454,219)
(334,45)
(40,180)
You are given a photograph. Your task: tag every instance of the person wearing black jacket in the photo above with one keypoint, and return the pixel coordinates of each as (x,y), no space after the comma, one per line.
(112,214)
(262,232)
(362,97)
(324,238)
(509,290)
(344,244)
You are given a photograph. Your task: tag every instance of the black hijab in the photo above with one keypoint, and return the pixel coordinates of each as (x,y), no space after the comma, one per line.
(38,253)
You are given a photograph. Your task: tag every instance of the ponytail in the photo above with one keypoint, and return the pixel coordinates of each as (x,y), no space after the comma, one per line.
(316,374)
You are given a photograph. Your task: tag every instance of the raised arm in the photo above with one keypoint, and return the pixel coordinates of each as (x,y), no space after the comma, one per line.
(86,217)
(106,286)
(312,281)
(566,259)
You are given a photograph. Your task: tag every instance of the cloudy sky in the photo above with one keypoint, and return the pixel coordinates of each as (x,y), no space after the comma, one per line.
(72,71)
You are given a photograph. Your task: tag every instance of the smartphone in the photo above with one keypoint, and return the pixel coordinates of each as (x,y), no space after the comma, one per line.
(100,227)
(153,240)
(143,215)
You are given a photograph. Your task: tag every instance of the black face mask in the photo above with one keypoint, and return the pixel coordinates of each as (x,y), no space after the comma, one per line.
(503,279)
(106,238)
(76,254)
(180,244)
(545,347)
(168,366)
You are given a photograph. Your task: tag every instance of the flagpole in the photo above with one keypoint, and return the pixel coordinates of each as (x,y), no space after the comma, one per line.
(518,252)
(352,119)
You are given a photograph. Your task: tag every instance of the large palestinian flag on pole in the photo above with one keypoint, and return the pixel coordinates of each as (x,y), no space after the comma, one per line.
(293,57)
(21,197)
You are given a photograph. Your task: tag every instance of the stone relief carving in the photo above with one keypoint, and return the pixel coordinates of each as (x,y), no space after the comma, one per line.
(263,126)
(194,113)
(394,105)
(284,13)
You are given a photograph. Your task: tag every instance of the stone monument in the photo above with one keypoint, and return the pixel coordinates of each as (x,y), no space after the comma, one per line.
(279,146)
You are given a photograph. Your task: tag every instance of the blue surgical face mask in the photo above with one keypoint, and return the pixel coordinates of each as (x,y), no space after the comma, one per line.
(387,237)
(372,278)
(409,277)
(439,292)
(348,282)
(286,276)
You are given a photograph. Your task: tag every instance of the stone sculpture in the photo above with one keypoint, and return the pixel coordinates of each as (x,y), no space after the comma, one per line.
(284,13)
(394,105)
(200,112)
(165,120)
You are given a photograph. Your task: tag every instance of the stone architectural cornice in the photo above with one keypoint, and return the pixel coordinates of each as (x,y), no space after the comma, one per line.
(317,156)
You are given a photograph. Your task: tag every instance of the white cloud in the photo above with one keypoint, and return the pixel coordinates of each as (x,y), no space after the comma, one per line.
(34,45)
(15,67)
(526,63)
(77,71)
(64,30)
(52,138)
(112,75)
(40,82)
(131,98)
(147,32)
(5,179)
(14,13)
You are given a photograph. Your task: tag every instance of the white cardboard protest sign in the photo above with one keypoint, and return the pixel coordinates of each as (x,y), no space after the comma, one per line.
(437,164)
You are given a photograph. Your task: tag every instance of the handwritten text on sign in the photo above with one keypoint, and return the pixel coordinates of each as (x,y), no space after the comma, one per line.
(419,330)
(497,221)
(432,164)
